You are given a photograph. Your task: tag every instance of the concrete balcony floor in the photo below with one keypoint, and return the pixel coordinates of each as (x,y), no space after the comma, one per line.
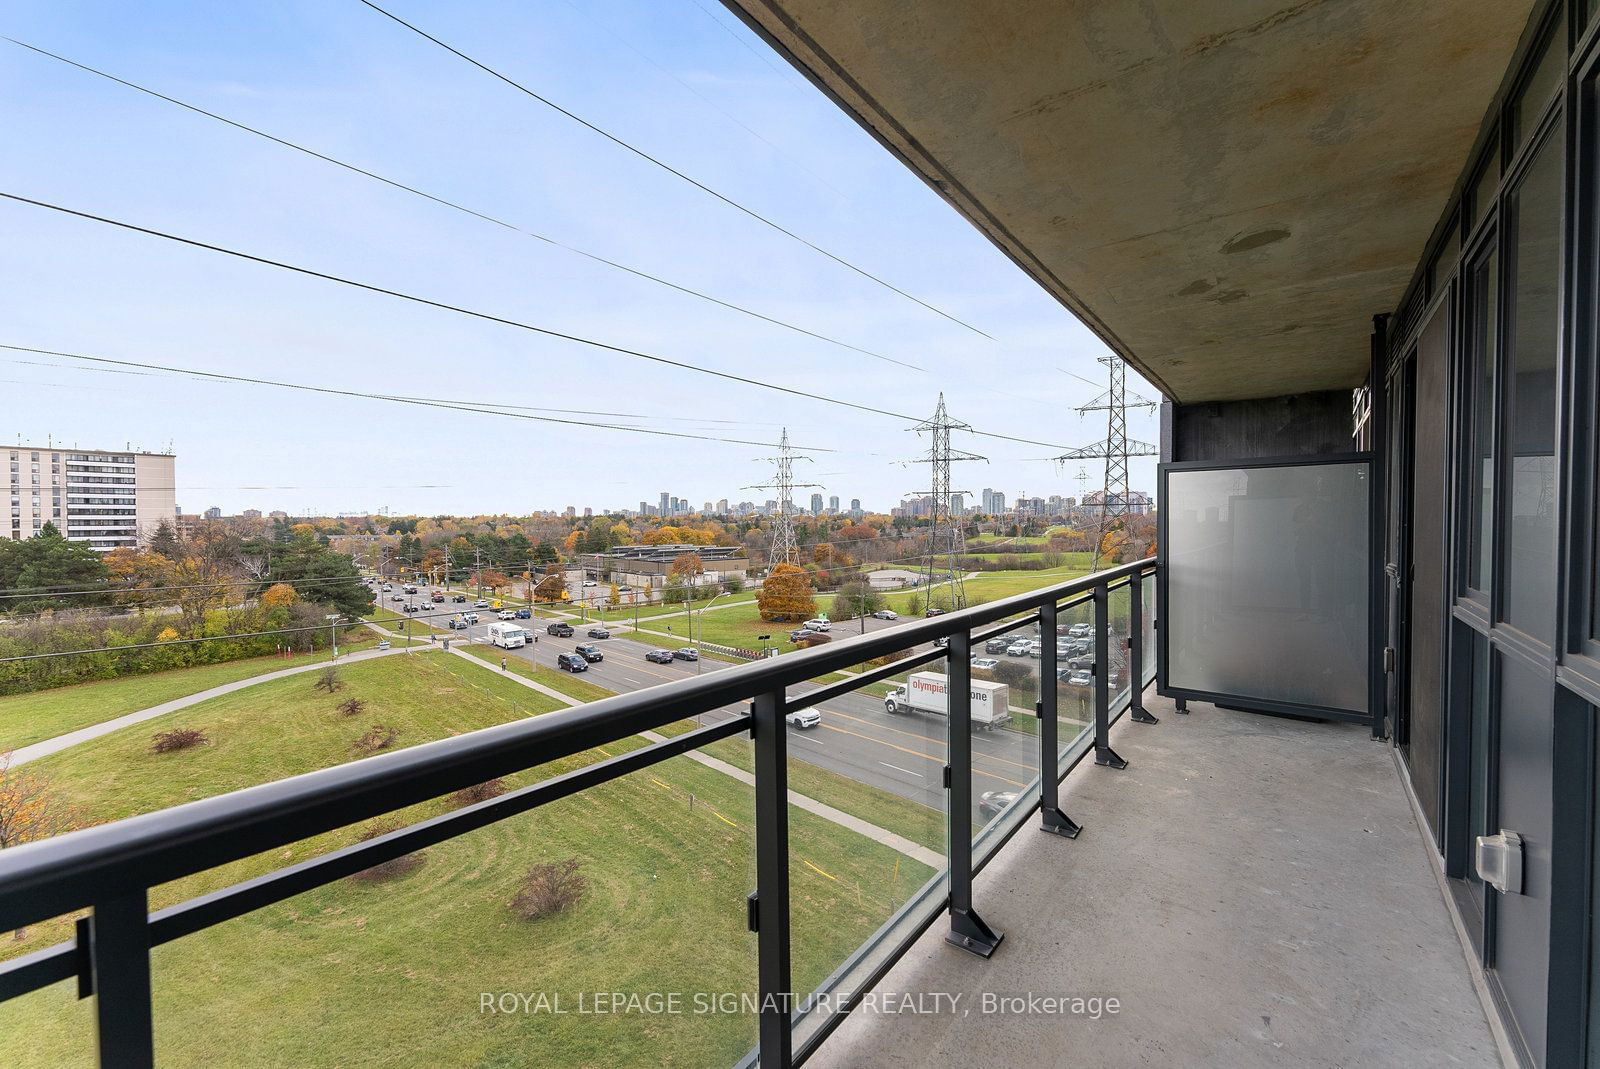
(1254,891)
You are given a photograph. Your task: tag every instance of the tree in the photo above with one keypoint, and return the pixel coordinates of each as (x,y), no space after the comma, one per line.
(914,604)
(550,588)
(857,598)
(786,594)
(164,541)
(48,563)
(279,595)
(319,574)
(495,581)
(615,598)
(30,806)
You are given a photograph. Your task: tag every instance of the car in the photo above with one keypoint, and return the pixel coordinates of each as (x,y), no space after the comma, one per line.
(458,624)
(1080,631)
(506,614)
(460,598)
(943,642)
(397,597)
(598,632)
(985,664)
(935,612)
(1035,649)
(438,595)
(572,662)
(996,645)
(1019,648)
(522,614)
(1080,677)
(818,624)
(387,588)
(413,608)
(589,653)
(589,582)
(470,617)
(803,718)
(688,653)
(886,614)
(992,803)
(480,604)
(559,630)
(660,656)
(625,590)
(383,644)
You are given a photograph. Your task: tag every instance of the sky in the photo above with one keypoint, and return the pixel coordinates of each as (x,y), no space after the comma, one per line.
(681,79)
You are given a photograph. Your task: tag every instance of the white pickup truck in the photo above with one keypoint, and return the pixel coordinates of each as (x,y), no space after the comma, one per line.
(928,692)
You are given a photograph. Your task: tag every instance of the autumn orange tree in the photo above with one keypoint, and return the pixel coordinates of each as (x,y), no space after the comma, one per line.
(279,595)
(786,594)
(30,807)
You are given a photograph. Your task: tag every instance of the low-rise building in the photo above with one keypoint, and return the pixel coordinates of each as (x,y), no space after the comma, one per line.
(647,567)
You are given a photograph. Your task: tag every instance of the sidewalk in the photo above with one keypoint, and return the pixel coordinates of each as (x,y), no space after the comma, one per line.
(23,754)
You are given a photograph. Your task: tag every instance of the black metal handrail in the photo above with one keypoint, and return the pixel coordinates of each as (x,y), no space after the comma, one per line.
(109,868)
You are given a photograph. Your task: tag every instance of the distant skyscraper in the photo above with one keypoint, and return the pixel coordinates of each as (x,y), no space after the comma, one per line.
(722,507)
(816,504)
(588,512)
(855,504)
(666,504)
(833,503)
(644,508)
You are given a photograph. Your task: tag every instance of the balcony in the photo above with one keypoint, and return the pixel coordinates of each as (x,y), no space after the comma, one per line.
(1253,891)
(1242,885)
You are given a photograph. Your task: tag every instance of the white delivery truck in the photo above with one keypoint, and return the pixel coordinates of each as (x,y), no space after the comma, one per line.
(929,692)
(507,636)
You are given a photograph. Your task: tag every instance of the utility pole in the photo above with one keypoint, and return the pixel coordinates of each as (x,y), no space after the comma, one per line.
(783,547)
(1116,449)
(946,531)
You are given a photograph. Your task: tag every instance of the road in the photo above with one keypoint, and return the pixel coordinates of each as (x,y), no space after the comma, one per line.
(903,754)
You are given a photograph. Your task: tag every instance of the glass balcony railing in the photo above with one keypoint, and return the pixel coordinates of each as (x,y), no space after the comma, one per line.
(718,867)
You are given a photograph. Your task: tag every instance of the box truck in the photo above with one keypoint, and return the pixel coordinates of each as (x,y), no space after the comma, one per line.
(928,692)
(507,636)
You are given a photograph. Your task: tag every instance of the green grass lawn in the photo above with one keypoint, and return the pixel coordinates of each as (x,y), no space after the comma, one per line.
(390,973)
(29,718)
(565,682)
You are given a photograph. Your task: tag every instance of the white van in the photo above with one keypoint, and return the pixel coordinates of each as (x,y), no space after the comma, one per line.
(507,636)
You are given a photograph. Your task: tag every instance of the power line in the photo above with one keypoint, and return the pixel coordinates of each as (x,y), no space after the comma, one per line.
(435,198)
(613,138)
(461,407)
(485,316)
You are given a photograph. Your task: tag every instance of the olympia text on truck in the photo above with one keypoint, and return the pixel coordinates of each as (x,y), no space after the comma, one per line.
(928,692)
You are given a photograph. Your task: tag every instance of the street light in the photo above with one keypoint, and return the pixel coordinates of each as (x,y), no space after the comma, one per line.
(333,633)
(699,613)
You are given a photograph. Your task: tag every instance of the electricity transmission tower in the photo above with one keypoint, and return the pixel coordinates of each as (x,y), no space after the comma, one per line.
(946,533)
(783,547)
(1116,449)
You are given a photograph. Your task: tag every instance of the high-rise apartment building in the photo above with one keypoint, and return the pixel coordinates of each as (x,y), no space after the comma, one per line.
(833,503)
(816,504)
(110,499)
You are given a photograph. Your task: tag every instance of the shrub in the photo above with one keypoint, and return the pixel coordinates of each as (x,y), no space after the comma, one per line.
(889,658)
(328,680)
(480,792)
(387,870)
(352,706)
(177,739)
(549,887)
(378,737)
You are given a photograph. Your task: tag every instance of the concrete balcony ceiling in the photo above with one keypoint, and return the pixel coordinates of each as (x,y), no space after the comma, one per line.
(1226,191)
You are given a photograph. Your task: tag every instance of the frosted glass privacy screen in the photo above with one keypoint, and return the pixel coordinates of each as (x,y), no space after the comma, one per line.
(1267,573)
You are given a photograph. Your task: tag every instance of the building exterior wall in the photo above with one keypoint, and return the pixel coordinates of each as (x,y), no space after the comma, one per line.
(158,493)
(109,499)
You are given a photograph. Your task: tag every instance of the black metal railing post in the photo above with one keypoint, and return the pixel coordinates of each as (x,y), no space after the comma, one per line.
(772,879)
(119,954)
(1052,818)
(1136,708)
(967,929)
(1103,753)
